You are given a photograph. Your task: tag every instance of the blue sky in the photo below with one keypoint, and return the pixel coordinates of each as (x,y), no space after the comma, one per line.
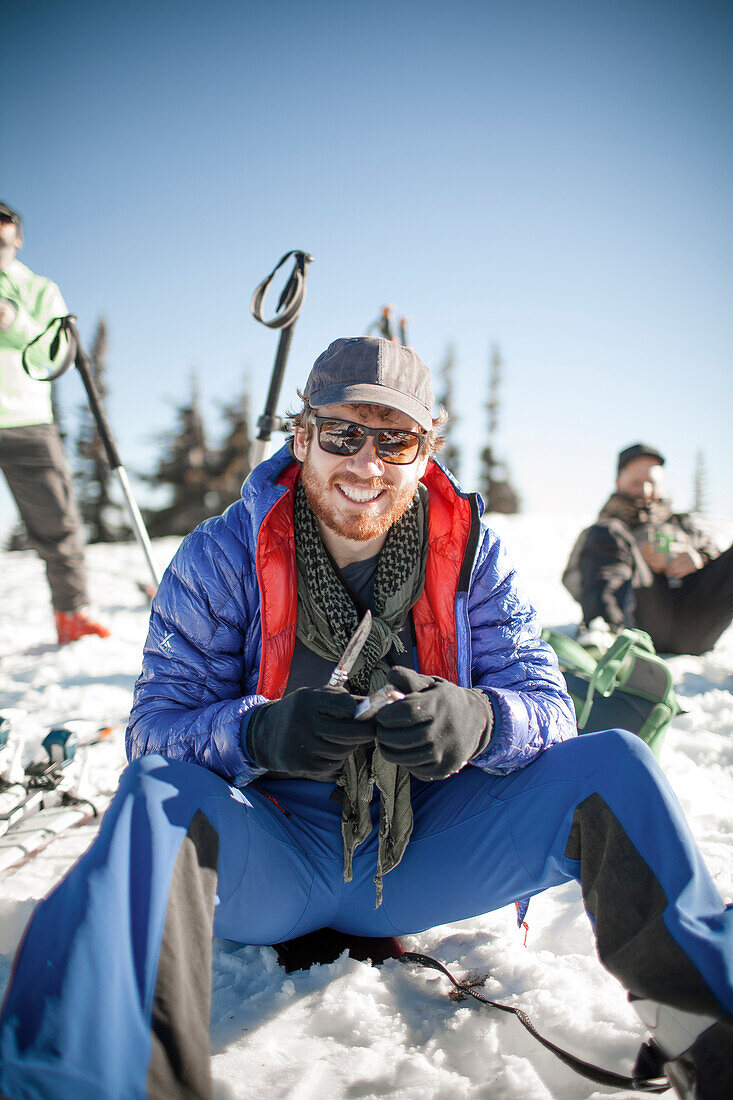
(551,177)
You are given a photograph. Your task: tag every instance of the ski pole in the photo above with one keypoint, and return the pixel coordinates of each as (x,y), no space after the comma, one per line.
(291,300)
(75,353)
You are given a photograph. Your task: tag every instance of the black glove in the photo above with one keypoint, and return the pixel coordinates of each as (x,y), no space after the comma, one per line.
(308,733)
(437,728)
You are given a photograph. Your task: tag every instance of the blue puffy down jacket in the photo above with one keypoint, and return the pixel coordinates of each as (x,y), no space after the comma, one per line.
(204,650)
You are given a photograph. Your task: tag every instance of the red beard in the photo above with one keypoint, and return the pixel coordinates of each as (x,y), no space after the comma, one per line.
(360,527)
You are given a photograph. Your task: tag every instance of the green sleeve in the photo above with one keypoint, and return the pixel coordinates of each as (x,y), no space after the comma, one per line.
(44,304)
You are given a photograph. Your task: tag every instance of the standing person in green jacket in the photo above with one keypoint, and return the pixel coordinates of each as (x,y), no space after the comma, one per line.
(31,452)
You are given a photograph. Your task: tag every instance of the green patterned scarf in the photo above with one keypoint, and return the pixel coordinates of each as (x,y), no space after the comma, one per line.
(327,618)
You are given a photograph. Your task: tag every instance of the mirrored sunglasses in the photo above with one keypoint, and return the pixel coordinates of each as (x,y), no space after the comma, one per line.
(395,446)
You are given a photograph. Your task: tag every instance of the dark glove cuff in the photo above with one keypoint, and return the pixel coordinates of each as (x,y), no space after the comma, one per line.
(485,737)
(253,741)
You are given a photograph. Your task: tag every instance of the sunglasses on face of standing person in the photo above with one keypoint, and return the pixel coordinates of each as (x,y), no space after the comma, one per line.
(395,446)
(6,219)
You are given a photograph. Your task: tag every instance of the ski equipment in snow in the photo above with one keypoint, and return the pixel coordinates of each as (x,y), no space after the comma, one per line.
(326,944)
(585,1069)
(38,807)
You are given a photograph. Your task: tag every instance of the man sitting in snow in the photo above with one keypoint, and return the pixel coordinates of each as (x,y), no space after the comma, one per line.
(643,565)
(249,811)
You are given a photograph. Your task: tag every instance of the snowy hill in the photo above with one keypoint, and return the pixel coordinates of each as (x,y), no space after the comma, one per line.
(349,1030)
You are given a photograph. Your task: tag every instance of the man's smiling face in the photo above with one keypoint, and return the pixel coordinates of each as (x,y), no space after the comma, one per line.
(357,498)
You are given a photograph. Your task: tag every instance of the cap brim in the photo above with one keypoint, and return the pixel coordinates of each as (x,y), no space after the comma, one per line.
(372,394)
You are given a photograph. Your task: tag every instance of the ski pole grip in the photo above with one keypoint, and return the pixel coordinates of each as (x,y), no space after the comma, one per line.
(288,308)
(292,296)
(67,328)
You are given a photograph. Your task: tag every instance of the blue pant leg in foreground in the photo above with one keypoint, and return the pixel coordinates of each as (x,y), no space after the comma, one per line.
(110,994)
(80,1017)
(598,809)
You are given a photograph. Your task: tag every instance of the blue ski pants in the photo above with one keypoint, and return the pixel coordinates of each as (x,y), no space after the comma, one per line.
(109,997)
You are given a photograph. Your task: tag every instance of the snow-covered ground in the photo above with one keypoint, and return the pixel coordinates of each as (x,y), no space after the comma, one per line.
(349,1030)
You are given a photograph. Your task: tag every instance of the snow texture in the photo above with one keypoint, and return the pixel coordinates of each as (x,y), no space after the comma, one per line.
(349,1030)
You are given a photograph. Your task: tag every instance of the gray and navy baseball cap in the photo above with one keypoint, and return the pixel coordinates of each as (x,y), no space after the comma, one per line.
(14,217)
(638,450)
(373,370)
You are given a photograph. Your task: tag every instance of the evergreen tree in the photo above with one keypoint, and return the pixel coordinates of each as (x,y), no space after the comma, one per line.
(494,483)
(102,516)
(450,456)
(700,484)
(183,472)
(231,464)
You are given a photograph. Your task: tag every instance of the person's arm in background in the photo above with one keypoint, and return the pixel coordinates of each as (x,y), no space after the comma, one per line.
(607,571)
(700,550)
(26,313)
(683,563)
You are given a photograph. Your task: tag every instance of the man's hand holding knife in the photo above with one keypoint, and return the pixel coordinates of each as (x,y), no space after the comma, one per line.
(437,727)
(309,733)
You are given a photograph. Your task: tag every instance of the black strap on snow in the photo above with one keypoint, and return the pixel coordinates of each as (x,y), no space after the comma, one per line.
(65,327)
(585,1069)
(293,293)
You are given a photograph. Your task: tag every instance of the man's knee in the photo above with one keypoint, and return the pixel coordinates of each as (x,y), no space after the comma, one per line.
(134,777)
(616,757)
(153,777)
(621,744)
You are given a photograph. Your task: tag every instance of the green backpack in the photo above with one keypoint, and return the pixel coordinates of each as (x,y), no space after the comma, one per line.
(628,687)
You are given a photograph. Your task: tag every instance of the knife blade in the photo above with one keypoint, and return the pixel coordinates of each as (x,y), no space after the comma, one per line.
(381,698)
(347,660)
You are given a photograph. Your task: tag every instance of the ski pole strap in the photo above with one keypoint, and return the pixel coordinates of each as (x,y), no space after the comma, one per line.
(293,293)
(65,328)
(585,1069)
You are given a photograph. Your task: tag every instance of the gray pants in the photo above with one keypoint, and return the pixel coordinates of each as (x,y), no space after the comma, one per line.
(38,476)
